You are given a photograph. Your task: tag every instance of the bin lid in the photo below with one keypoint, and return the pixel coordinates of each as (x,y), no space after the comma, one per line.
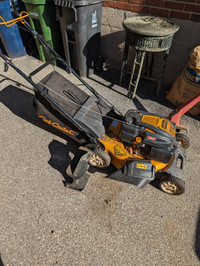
(37,2)
(72,3)
(150,26)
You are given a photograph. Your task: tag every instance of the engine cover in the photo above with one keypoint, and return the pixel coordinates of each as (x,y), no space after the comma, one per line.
(157,133)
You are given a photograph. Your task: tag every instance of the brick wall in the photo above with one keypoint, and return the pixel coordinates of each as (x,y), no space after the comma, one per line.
(179,9)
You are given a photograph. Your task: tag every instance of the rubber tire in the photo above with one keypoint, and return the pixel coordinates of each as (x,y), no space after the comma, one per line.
(182,137)
(103,155)
(174,180)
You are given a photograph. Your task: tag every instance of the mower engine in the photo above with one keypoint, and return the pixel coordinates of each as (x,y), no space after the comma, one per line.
(148,135)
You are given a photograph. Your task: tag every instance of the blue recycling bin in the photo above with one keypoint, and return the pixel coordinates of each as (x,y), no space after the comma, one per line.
(10,36)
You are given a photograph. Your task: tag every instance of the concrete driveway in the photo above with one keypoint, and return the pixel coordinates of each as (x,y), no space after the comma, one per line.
(109,222)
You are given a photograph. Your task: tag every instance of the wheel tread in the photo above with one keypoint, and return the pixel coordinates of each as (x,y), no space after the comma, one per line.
(173,180)
(184,137)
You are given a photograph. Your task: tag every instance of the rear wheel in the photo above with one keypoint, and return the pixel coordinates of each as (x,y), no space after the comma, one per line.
(172,185)
(100,159)
(183,140)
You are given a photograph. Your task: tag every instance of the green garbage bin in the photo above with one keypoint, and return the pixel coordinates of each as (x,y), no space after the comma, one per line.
(42,17)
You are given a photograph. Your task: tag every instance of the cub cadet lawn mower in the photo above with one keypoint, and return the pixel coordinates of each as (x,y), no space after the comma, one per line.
(138,144)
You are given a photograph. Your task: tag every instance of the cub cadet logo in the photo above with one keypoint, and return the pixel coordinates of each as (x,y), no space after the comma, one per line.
(56,125)
(119,151)
(142,166)
(151,138)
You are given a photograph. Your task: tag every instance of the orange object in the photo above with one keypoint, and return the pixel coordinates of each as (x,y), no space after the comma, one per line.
(9,23)
(159,122)
(120,156)
(138,139)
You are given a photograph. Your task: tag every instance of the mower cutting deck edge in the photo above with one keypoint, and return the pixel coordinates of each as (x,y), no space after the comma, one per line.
(138,144)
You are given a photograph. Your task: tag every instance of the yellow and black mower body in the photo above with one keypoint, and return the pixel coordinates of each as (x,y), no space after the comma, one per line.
(142,145)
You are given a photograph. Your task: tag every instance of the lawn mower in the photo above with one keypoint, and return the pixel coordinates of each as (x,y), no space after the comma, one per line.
(139,144)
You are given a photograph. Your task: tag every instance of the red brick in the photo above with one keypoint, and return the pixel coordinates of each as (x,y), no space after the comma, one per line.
(188,1)
(139,2)
(109,4)
(159,12)
(122,1)
(179,15)
(157,3)
(195,17)
(123,6)
(141,9)
(173,5)
(192,8)
(131,7)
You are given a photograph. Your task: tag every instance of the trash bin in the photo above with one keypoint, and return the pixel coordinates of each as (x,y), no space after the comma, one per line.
(27,37)
(10,36)
(42,17)
(81,26)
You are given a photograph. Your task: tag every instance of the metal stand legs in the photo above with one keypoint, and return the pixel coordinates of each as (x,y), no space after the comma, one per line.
(138,61)
(124,63)
(137,67)
(164,62)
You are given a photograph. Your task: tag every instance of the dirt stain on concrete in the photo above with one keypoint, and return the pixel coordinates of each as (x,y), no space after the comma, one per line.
(104,204)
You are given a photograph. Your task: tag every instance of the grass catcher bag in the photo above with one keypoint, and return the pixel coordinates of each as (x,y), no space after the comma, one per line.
(187,85)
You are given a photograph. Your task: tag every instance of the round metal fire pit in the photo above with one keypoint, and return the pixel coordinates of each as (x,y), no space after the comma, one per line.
(149,33)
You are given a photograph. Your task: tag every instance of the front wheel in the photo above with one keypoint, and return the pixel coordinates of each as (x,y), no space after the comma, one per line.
(172,185)
(100,159)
